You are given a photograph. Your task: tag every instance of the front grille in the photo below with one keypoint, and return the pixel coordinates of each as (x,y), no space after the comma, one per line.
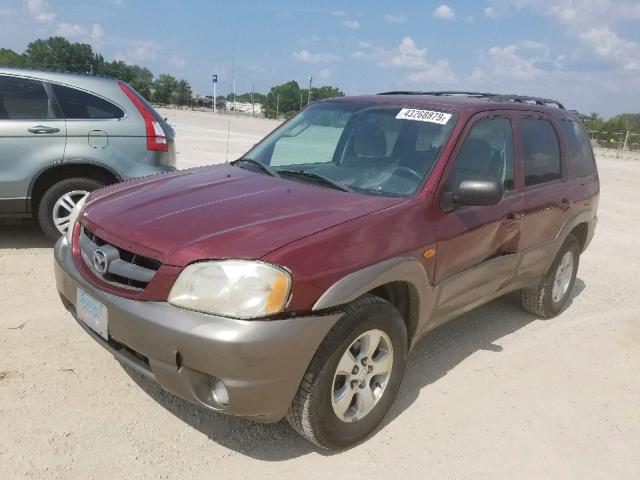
(116,265)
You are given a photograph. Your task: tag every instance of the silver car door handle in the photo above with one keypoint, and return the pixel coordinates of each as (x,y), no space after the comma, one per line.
(39,129)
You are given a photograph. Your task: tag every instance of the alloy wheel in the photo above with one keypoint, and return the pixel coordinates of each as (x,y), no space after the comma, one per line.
(362,375)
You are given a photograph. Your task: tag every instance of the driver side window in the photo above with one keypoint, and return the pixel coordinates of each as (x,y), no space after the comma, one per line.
(486,154)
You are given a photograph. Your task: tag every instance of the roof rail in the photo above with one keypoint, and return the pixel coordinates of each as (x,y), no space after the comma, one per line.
(496,97)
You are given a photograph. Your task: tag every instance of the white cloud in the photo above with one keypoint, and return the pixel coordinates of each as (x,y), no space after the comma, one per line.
(364,44)
(609,46)
(97,32)
(588,21)
(439,73)
(396,18)
(7,12)
(353,24)
(338,13)
(326,73)
(141,51)
(178,61)
(569,12)
(40,11)
(308,57)
(407,55)
(524,66)
(444,12)
(70,30)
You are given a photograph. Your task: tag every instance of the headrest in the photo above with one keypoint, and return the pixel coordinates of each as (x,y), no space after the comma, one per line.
(369,141)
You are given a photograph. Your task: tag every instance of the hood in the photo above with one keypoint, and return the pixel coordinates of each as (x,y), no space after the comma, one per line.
(218,212)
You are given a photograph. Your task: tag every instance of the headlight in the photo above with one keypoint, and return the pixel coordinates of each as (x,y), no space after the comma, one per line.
(73,218)
(232,288)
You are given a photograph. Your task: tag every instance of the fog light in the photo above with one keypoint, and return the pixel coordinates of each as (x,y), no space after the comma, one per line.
(219,391)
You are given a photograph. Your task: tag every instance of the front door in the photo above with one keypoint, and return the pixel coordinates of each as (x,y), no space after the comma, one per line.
(476,245)
(32,135)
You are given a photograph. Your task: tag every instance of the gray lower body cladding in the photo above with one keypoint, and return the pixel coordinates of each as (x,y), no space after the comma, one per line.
(260,362)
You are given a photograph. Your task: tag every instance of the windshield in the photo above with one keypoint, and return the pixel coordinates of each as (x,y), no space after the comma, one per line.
(368,148)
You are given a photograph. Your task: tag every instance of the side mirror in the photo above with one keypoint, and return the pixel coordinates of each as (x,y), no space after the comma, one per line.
(473,193)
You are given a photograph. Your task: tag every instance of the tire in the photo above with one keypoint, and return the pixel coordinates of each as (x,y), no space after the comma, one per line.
(56,192)
(312,412)
(539,299)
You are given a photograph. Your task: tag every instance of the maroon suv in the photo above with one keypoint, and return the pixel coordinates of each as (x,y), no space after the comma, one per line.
(294,281)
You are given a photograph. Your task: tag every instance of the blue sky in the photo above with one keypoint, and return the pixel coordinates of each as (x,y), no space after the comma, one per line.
(583,52)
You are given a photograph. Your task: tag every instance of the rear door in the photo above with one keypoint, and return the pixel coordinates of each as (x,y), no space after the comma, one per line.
(547,196)
(476,245)
(32,135)
(91,123)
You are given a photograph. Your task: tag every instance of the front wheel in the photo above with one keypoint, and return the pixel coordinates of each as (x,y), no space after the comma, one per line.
(59,200)
(353,377)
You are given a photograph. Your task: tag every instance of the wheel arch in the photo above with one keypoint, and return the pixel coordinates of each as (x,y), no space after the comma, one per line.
(401,281)
(54,173)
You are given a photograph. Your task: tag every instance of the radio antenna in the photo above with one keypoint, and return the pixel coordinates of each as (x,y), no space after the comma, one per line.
(233,86)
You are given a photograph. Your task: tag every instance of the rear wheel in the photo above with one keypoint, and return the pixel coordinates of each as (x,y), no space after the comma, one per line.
(353,377)
(59,200)
(550,296)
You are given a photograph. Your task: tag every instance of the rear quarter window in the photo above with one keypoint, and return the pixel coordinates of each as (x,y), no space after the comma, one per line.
(79,105)
(578,148)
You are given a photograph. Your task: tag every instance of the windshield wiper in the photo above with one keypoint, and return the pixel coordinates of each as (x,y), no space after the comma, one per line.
(317,178)
(265,168)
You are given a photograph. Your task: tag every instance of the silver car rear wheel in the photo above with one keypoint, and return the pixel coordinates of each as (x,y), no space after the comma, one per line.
(62,208)
(362,375)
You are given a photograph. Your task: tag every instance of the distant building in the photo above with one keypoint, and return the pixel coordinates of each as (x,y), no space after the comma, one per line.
(243,107)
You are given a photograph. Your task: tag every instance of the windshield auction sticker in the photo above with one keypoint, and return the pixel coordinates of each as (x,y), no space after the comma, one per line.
(424,116)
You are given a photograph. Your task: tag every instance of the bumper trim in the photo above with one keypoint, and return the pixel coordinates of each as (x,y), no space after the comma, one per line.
(260,362)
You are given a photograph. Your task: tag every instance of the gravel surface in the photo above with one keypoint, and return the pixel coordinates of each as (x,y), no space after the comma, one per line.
(496,393)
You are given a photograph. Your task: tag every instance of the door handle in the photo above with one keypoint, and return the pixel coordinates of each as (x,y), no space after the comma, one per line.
(565,204)
(511,219)
(40,129)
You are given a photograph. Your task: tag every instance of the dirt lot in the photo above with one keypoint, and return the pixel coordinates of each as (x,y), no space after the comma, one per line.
(495,394)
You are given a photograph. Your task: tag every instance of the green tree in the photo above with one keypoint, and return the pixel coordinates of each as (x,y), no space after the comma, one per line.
(9,58)
(164,88)
(59,54)
(183,92)
(289,96)
(293,98)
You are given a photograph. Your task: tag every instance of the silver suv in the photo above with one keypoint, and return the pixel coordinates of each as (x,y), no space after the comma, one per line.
(63,135)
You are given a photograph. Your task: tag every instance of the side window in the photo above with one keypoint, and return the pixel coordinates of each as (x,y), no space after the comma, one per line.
(76,104)
(579,152)
(23,99)
(540,151)
(486,154)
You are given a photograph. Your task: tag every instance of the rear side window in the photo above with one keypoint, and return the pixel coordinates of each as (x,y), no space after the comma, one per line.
(23,99)
(76,104)
(540,151)
(486,154)
(579,150)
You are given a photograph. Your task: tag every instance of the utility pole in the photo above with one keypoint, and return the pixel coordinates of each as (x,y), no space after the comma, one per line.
(253,109)
(300,100)
(626,141)
(234,96)
(278,107)
(309,93)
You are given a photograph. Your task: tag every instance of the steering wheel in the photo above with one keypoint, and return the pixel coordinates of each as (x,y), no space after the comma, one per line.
(408,172)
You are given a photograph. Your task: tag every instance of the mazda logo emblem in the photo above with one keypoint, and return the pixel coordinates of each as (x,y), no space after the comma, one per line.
(100,261)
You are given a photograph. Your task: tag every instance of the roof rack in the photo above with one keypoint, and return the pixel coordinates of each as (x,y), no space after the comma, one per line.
(495,97)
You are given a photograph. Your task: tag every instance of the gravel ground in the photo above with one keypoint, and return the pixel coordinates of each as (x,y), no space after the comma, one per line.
(497,393)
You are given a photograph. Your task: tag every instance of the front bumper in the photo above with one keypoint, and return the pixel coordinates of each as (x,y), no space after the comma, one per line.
(260,362)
